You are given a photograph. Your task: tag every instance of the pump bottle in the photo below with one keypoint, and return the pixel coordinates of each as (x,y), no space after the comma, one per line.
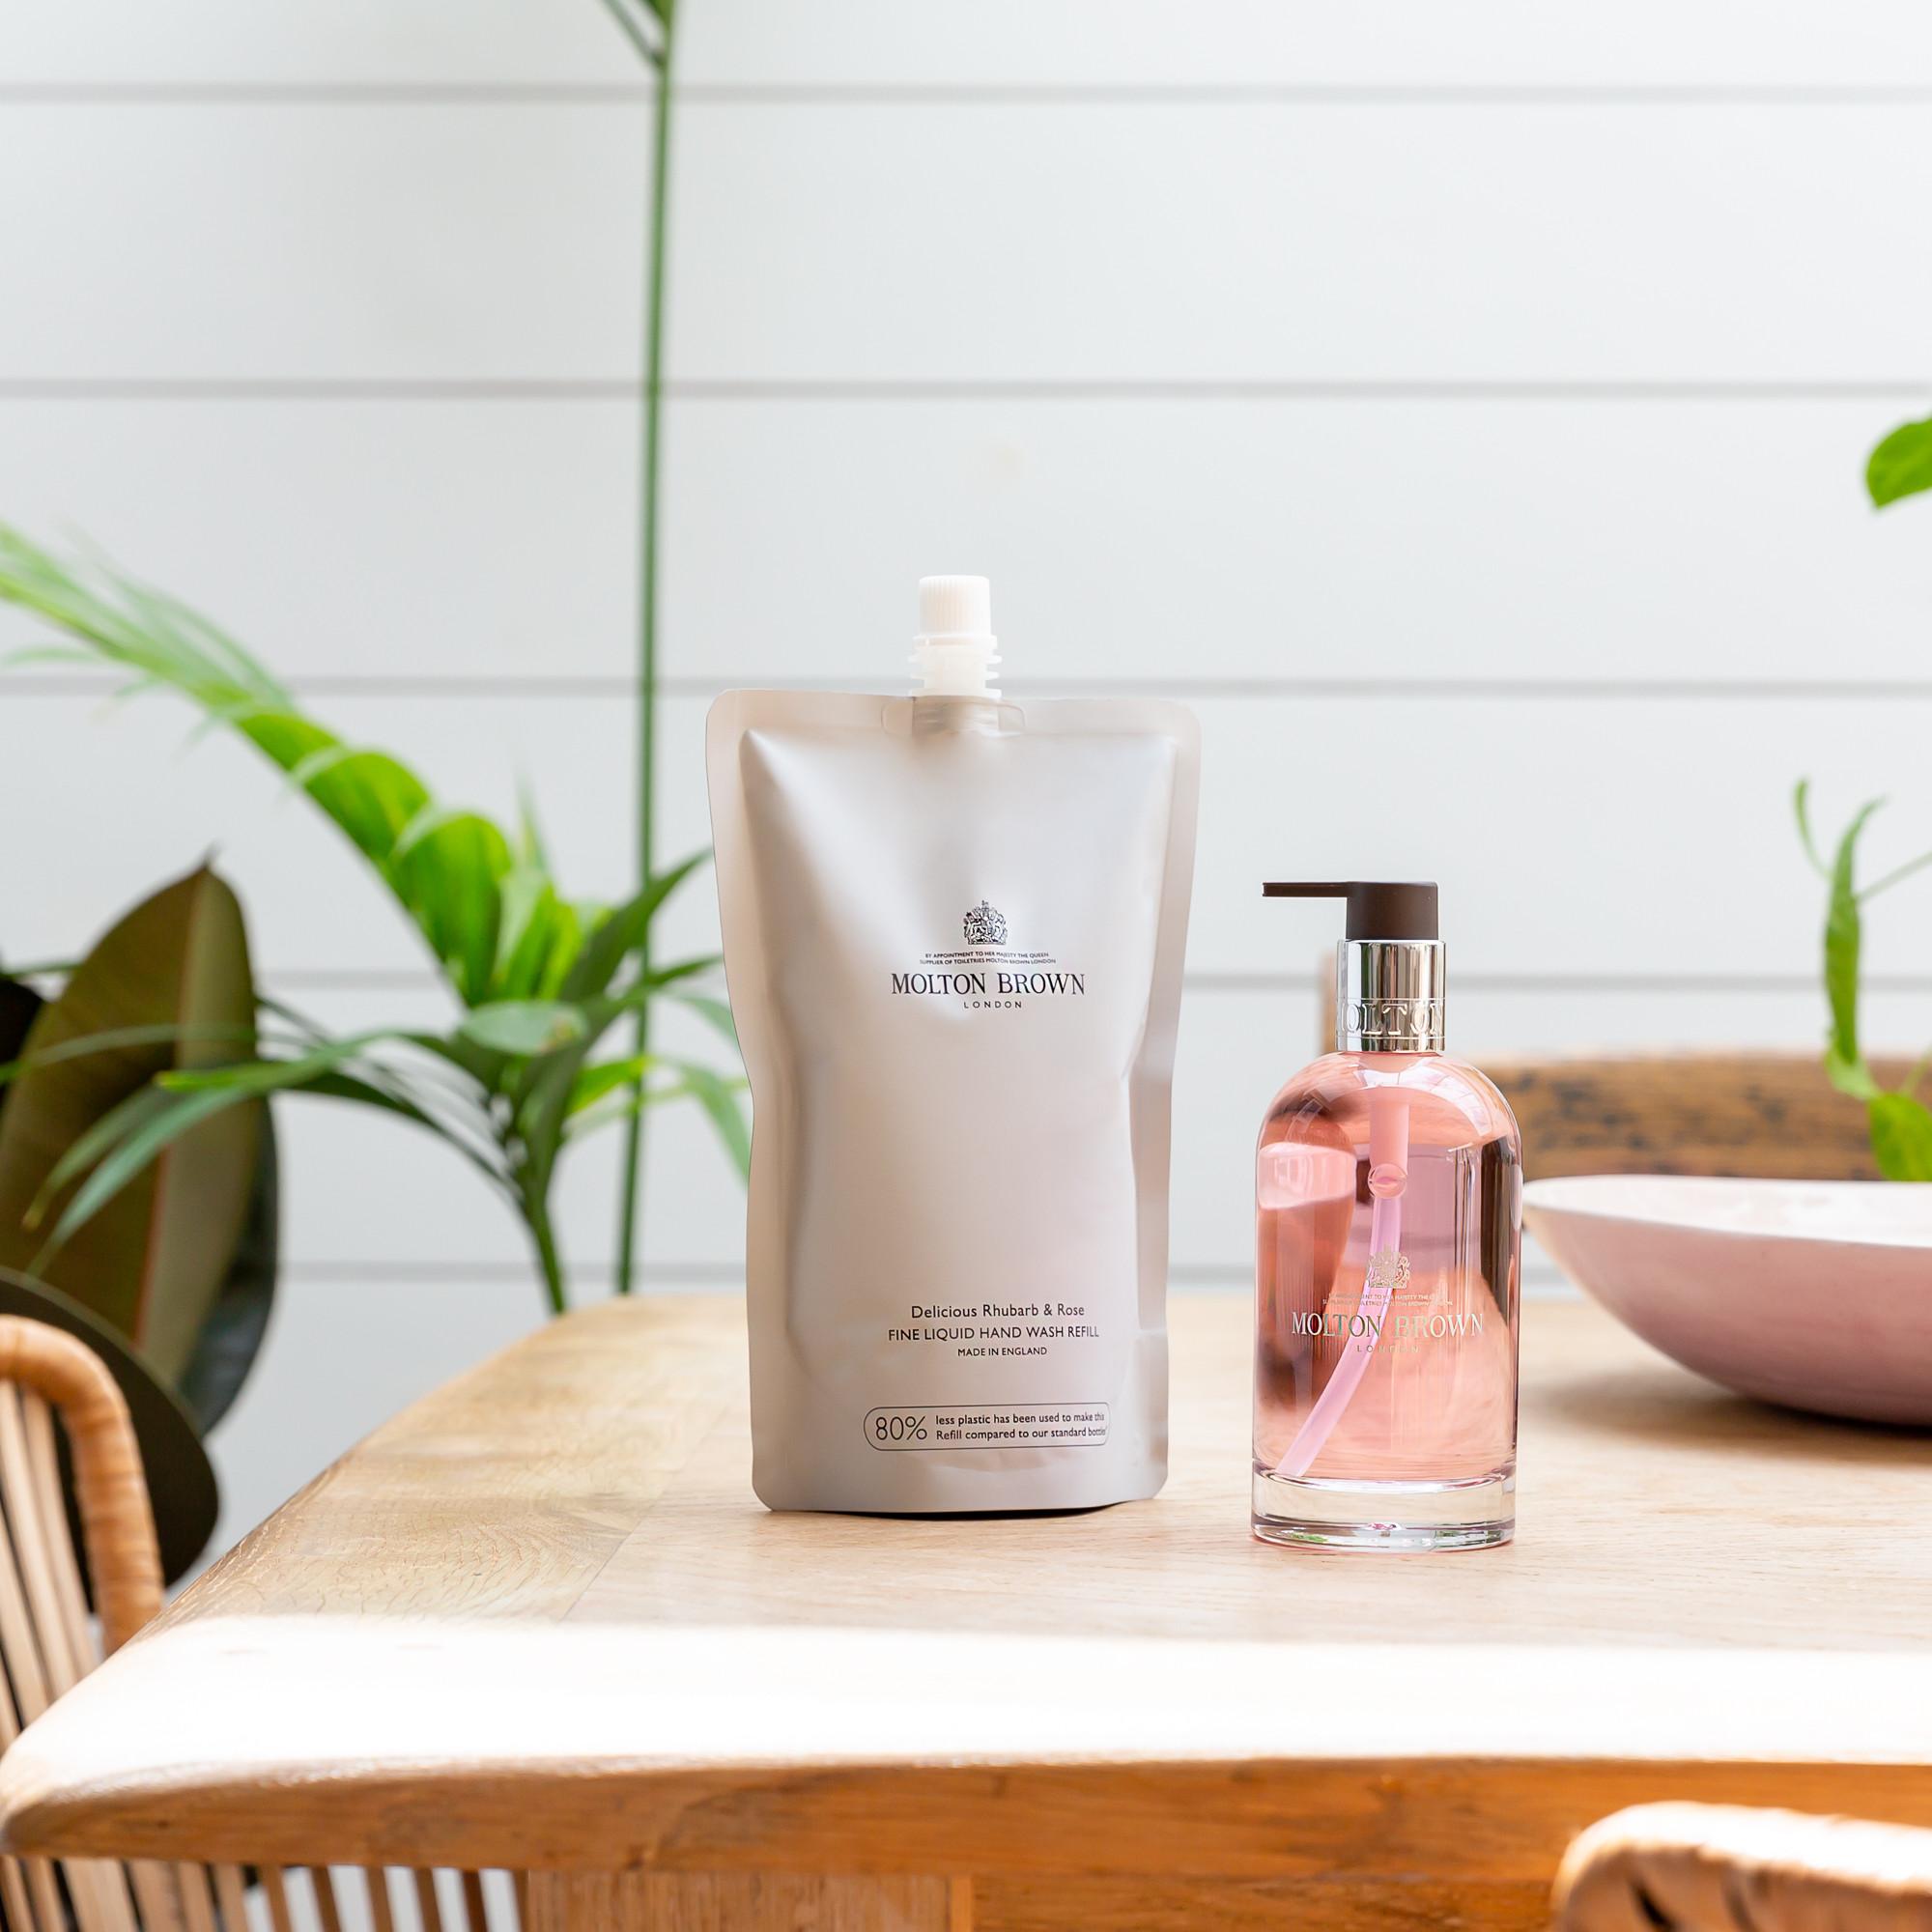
(1387,1242)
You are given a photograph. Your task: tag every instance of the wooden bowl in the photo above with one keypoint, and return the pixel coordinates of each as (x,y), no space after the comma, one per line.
(1813,1294)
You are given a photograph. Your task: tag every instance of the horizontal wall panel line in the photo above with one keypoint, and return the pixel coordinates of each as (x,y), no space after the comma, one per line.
(1911,388)
(1611,984)
(1479,691)
(664,1275)
(919,93)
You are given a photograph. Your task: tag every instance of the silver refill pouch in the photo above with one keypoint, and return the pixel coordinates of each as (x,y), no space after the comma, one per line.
(954,932)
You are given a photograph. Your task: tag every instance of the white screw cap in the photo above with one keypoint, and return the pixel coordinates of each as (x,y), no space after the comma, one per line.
(955,649)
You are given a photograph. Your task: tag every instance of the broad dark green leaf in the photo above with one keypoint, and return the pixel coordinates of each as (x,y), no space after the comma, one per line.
(1901,466)
(179,1479)
(133,1136)
(172,980)
(19,1008)
(232,1335)
(175,1116)
(163,1032)
(1902,1136)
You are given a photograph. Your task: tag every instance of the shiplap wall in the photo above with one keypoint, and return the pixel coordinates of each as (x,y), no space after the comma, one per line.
(1464,404)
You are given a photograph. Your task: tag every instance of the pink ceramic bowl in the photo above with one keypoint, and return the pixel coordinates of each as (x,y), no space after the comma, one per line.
(1815,1294)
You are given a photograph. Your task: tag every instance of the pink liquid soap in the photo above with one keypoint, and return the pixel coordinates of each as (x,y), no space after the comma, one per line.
(1387,1219)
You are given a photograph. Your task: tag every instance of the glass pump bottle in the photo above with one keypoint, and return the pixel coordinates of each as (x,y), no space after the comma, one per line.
(1388,1183)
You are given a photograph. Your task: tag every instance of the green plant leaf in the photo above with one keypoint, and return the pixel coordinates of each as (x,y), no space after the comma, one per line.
(713,1010)
(120,1147)
(531,851)
(165,1032)
(171,982)
(633,1101)
(525,1027)
(1902,1136)
(1901,466)
(720,1099)
(448,868)
(622,931)
(442,865)
(158,1128)
(373,797)
(1843,942)
(608,1076)
(1851,1077)
(536,927)
(1801,806)
(683,968)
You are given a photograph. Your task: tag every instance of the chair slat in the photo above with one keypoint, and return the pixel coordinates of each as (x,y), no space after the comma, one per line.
(98,1889)
(325,1905)
(197,1907)
(377,1880)
(472,1901)
(44,1892)
(231,1899)
(13,1894)
(31,1547)
(155,1895)
(44,1455)
(278,1894)
(26,1671)
(426,1903)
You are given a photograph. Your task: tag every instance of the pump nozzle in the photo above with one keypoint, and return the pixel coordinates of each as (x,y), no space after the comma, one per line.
(1390,970)
(1378,908)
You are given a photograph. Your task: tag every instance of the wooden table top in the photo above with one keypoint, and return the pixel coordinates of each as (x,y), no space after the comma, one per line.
(540,1620)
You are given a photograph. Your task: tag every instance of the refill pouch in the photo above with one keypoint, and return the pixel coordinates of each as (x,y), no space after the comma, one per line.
(953,934)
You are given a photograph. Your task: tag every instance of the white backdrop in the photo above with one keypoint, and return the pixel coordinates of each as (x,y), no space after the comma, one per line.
(1463,405)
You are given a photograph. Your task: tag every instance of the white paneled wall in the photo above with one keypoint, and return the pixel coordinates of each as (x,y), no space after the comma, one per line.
(1463,405)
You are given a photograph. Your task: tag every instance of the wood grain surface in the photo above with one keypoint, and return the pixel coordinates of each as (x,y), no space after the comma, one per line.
(540,1621)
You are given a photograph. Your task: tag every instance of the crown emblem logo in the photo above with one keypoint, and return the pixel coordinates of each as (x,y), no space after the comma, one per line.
(1388,1270)
(985,925)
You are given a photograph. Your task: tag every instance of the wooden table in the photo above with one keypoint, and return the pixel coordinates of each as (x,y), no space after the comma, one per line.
(538,1621)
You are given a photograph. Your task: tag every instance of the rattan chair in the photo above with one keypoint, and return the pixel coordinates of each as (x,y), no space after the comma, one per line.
(1720,1868)
(47,1642)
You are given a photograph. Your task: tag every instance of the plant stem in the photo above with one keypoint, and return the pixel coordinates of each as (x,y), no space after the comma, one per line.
(647,617)
(536,1217)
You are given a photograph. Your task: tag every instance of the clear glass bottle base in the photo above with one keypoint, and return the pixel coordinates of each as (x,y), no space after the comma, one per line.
(1474,1515)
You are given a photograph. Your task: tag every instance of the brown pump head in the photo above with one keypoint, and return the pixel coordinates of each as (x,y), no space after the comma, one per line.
(1378,908)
